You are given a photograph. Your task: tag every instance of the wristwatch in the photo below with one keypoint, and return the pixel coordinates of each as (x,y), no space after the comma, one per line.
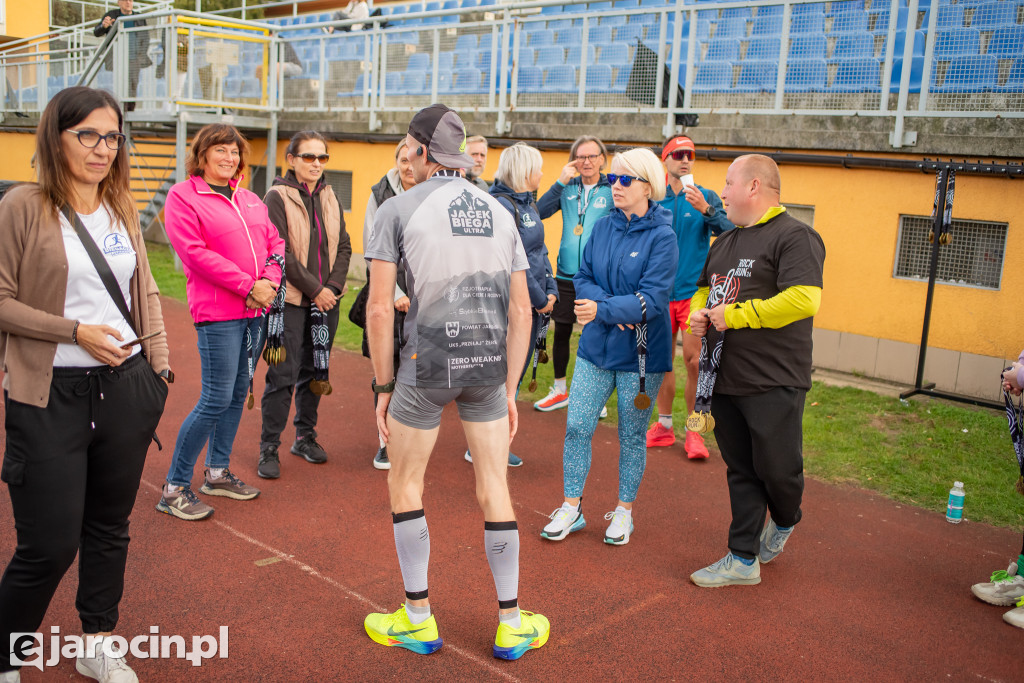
(167,375)
(382,388)
(710,211)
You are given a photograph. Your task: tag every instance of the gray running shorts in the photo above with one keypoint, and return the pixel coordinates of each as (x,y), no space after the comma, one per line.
(420,407)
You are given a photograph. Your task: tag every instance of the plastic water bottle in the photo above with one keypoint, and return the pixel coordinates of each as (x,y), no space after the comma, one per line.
(955,506)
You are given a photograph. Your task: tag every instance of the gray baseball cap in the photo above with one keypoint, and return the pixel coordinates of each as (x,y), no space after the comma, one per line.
(443,134)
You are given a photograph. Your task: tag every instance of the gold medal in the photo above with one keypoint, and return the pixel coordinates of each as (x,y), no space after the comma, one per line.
(533,385)
(702,423)
(642,402)
(578,230)
(542,356)
(250,401)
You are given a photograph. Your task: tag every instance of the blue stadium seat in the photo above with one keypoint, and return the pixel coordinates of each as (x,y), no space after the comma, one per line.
(466,81)
(599,6)
(916,70)
(250,88)
(569,36)
(629,33)
(526,56)
(1015,80)
(547,9)
(970,74)
(882,21)
(451,4)
(467,41)
(414,83)
(1007,42)
(995,15)
(763,48)
(849,22)
(818,8)
(444,80)
(622,78)
(487,38)
(654,3)
(538,38)
(858,75)
(807,23)
(950,16)
(558,24)
(769,11)
(899,42)
(616,20)
(757,75)
(842,6)
(357,90)
(599,34)
(550,55)
(766,25)
(808,47)
(232,87)
(418,61)
(560,79)
(727,50)
(957,42)
(432,6)
(626,4)
(806,75)
(616,54)
(465,59)
(531,79)
(643,19)
(733,27)
(469,4)
(713,77)
(445,61)
(483,60)
(853,45)
(599,78)
(393,82)
(574,53)
(744,12)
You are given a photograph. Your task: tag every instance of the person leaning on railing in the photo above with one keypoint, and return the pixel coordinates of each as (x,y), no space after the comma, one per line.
(82,393)
(138,45)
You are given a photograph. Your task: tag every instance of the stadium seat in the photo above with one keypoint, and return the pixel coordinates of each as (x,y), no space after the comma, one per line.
(418,61)
(483,60)
(626,4)
(806,75)
(557,24)
(807,23)
(713,77)
(547,9)
(232,88)
(817,8)
(654,3)
(414,83)
(858,75)
(445,61)
(393,82)
(757,75)
(808,47)
(451,4)
(599,34)
(615,20)
(731,12)
(466,81)
(622,78)
(727,50)
(916,69)
(469,4)
(616,54)
(766,25)
(551,55)
(531,79)
(599,6)
(1007,42)
(538,38)
(882,21)
(569,36)
(843,6)
(994,15)
(853,45)
(899,42)
(444,80)
(250,88)
(465,59)
(467,41)
(762,48)
(970,74)
(574,53)
(950,16)
(1015,80)
(628,33)
(526,56)
(734,27)
(599,78)
(957,42)
(560,79)
(849,22)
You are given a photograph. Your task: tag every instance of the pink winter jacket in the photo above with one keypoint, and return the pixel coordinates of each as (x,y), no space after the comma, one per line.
(223,246)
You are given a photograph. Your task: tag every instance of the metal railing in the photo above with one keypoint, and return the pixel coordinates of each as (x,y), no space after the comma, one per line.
(732,57)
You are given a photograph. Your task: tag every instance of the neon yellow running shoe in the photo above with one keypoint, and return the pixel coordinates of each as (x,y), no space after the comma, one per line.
(395,630)
(512,643)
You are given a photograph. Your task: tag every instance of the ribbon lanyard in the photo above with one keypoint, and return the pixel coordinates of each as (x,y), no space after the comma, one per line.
(1015,417)
(642,400)
(540,352)
(700,420)
(582,205)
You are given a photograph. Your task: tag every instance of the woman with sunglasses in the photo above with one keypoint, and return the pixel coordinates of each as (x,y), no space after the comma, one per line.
(622,296)
(84,385)
(311,221)
(233,258)
(583,196)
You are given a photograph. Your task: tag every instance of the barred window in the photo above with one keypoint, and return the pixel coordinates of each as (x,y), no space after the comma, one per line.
(974,258)
(341,181)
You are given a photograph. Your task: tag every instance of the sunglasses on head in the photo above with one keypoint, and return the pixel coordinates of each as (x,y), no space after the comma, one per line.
(681,154)
(624,180)
(310,158)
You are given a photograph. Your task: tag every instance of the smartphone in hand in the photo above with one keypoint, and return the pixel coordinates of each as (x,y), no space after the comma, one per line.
(139,340)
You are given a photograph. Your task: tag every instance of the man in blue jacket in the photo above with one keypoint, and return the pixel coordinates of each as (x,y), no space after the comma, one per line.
(697,214)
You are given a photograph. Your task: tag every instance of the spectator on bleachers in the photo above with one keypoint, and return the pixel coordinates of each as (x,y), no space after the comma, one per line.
(620,301)
(356,9)
(697,215)
(310,219)
(583,195)
(477,148)
(395,182)
(138,45)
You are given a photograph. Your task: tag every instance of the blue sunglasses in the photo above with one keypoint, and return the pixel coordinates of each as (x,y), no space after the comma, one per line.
(624,180)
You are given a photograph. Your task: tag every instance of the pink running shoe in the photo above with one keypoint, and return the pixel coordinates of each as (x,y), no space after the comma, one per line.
(659,437)
(695,448)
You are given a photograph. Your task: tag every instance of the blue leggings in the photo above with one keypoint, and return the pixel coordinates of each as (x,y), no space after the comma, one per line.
(591,388)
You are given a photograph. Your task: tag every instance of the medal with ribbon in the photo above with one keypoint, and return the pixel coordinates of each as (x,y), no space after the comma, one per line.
(700,420)
(642,400)
(1015,417)
(540,348)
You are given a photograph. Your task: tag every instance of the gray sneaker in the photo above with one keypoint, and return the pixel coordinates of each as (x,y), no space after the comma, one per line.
(728,571)
(772,542)
(307,448)
(1015,617)
(228,485)
(1003,589)
(184,504)
(380,461)
(105,668)
(270,464)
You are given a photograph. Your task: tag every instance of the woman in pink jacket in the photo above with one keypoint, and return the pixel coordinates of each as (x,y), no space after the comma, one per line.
(233,258)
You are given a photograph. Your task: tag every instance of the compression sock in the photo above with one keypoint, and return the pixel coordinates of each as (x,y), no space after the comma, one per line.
(501,543)
(412,541)
(417,615)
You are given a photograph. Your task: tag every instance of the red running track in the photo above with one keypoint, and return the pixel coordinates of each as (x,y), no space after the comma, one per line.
(867,589)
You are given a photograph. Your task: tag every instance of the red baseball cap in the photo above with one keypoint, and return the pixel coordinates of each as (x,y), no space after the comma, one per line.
(681,142)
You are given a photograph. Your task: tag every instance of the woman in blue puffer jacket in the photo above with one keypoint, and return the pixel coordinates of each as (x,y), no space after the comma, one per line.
(623,288)
(517,178)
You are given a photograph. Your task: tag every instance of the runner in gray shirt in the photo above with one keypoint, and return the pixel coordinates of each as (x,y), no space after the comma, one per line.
(465,340)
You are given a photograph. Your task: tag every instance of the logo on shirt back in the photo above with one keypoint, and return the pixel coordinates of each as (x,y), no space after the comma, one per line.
(116,244)
(470,216)
(600,203)
(528,221)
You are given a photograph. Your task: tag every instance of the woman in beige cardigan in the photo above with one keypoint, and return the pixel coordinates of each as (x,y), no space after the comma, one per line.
(84,384)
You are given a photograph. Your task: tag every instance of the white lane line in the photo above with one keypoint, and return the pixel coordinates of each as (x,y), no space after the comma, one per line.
(311,571)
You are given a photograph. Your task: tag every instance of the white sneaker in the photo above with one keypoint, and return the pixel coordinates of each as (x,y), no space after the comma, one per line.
(564,521)
(1004,588)
(1015,617)
(621,527)
(604,413)
(104,668)
(13,676)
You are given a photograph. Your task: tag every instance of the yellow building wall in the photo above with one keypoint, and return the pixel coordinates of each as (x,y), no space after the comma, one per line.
(25,19)
(16,160)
